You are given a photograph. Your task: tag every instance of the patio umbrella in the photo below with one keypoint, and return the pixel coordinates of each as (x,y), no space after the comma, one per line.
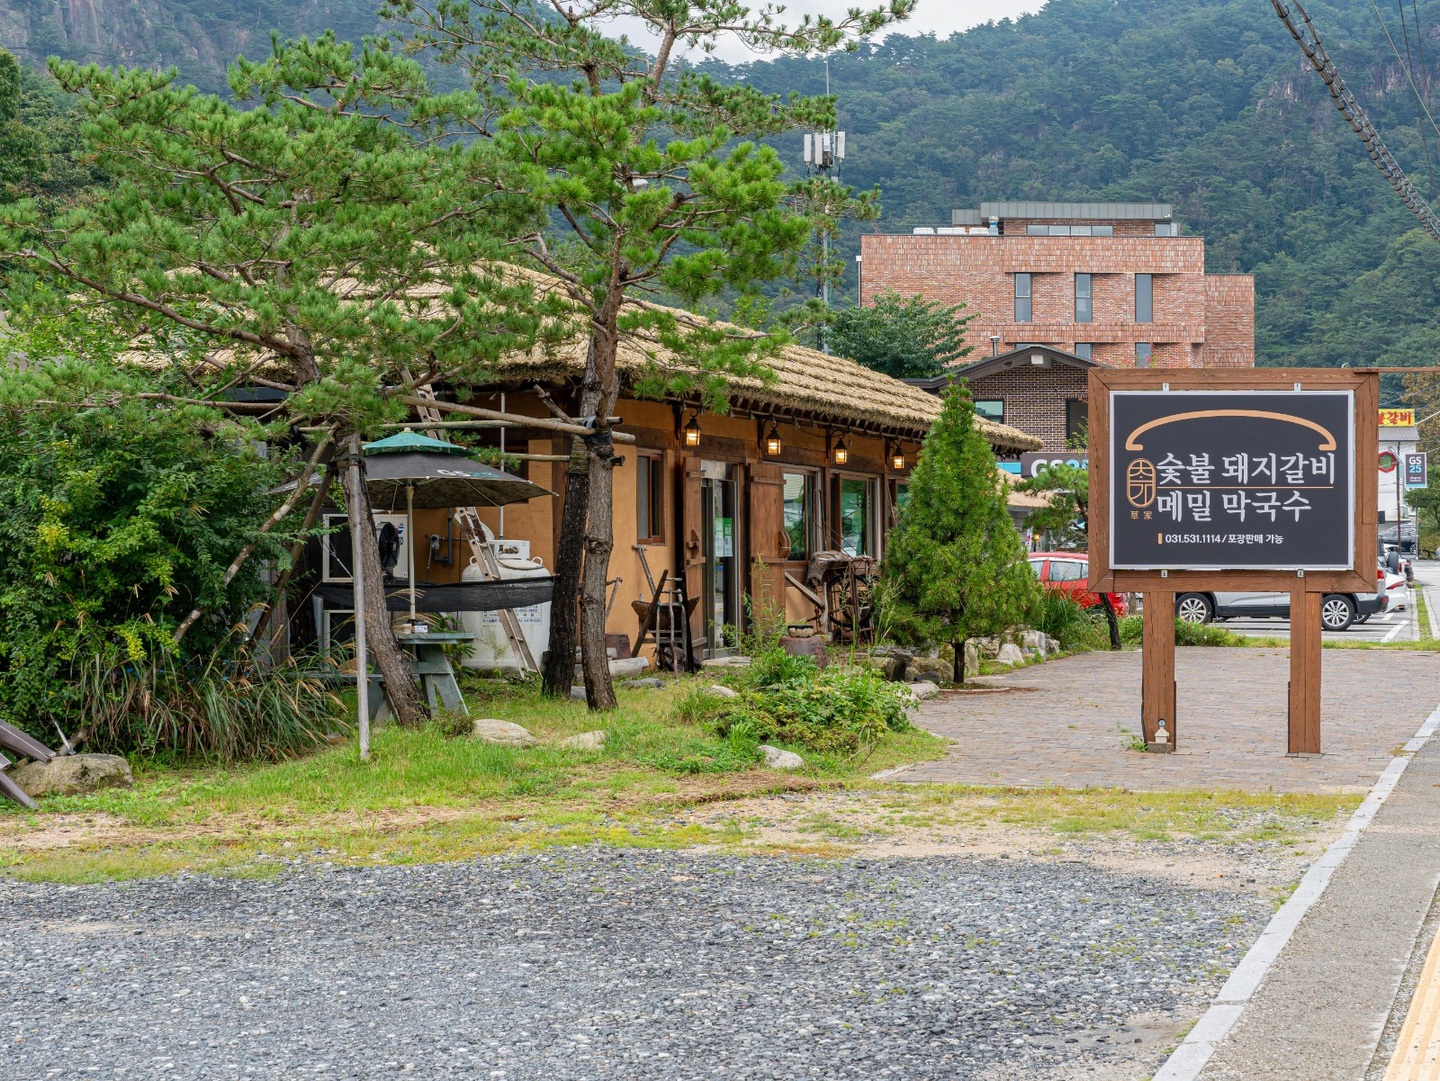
(430,474)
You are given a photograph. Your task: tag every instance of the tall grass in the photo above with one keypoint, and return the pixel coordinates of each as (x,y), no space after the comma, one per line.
(217,708)
(1075,628)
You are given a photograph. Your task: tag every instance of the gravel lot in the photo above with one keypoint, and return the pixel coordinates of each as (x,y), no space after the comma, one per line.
(599,963)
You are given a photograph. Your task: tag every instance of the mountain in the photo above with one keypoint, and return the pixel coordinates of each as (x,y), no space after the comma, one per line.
(1206,104)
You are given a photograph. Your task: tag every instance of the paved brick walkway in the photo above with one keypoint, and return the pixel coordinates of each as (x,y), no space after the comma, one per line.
(1068,722)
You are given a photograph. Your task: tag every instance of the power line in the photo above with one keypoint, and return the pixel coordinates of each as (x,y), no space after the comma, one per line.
(1419,98)
(1314,50)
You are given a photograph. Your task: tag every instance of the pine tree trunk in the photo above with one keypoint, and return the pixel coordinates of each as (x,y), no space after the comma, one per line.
(599,540)
(1110,618)
(400,685)
(958,672)
(559,674)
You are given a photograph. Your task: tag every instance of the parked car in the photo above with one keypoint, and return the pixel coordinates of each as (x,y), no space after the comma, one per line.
(1338,611)
(1066,572)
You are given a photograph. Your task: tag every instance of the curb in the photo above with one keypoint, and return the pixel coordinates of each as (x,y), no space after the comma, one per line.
(1194,1052)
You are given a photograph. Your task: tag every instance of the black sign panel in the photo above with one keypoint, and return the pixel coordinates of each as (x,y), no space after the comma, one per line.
(1232,480)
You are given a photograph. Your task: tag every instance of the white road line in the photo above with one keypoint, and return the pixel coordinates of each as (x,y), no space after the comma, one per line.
(1192,1054)
(1393,631)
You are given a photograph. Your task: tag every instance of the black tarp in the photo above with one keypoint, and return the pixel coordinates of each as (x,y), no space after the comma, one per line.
(460,597)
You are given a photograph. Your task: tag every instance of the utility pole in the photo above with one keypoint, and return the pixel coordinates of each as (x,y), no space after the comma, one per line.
(824,151)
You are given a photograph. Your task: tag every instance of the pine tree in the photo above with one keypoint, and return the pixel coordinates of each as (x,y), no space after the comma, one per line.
(955,565)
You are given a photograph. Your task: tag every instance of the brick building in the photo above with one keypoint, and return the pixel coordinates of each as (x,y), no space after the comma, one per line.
(1040,390)
(1110,282)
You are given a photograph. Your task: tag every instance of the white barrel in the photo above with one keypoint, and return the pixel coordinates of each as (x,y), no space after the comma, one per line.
(492,648)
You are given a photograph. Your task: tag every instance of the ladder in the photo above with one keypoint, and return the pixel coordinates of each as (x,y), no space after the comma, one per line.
(472,530)
(668,620)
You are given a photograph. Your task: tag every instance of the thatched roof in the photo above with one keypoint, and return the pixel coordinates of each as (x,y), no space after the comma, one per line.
(808,385)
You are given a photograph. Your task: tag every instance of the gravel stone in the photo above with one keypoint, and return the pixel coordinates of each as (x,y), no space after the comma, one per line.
(610,964)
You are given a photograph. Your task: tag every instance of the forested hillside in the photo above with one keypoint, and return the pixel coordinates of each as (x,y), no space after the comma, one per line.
(1203,103)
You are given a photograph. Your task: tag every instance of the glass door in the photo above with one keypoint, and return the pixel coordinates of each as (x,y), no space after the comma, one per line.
(720,597)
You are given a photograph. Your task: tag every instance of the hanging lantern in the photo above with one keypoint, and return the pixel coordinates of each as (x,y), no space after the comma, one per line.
(841,453)
(772,441)
(897,458)
(692,432)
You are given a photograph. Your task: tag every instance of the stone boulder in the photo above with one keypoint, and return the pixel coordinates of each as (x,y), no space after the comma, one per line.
(972,660)
(504,733)
(650,684)
(932,669)
(1010,654)
(585,741)
(720,691)
(775,758)
(924,690)
(73,775)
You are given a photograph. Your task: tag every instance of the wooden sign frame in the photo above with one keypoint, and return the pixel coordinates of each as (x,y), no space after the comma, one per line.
(1158,697)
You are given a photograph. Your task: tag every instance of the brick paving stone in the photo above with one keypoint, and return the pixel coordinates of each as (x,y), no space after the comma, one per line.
(1068,723)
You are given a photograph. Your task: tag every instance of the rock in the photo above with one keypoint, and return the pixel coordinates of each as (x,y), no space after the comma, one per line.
(490,730)
(972,660)
(775,758)
(721,692)
(642,684)
(924,690)
(585,741)
(1010,654)
(931,668)
(73,775)
(726,662)
(577,693)
(893,667)
(628,666)
(989,647)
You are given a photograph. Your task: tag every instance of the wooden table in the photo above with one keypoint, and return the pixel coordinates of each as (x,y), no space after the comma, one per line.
(432,667)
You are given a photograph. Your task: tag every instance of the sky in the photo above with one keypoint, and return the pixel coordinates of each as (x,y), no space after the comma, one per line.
(940,17)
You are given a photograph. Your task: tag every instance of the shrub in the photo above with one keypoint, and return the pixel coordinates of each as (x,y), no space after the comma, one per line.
(1074,627)
(789,700)
(1186,634)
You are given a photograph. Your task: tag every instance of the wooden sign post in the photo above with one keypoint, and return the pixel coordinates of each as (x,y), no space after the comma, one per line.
(1254,480)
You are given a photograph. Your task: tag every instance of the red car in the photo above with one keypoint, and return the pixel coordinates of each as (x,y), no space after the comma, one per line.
(1066,572)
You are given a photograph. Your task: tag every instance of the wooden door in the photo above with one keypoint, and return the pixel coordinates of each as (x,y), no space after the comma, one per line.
(769,543)
(691,554)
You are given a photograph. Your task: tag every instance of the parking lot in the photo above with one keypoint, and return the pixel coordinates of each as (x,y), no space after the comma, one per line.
(1390,626)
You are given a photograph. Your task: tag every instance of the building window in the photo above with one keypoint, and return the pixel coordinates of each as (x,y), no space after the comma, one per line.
(799,512)
(649,498)
(857,516)
(1083,307)
(1077,422)
(991,409)
(1022,298)
(1167,228)
(1142,354)
(1037,230)
(1084,350)
(1144,298)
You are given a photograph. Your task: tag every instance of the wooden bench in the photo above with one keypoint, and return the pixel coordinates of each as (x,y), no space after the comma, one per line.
(333,677)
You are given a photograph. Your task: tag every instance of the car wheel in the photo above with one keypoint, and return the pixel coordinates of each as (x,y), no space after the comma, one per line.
(1362,619)
(1337,612)
(1194,608)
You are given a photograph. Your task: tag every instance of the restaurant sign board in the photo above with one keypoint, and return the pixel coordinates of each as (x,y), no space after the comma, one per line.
(1232,480)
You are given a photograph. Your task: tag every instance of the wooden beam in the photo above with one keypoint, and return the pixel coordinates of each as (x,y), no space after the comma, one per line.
(1305,657)
(514,418)
(1157,680)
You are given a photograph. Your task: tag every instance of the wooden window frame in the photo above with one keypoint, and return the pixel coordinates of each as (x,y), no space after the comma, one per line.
(650,496)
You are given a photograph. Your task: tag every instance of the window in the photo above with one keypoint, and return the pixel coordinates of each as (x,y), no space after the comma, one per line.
(1167,228)
(1081,230)
(1022,298)
(1102,230)
(1084,350)
(1077,422)
(1037,230)
(799,511)
(991,409)
(1067,570)
(857,517)
(1142,354)
(649,498)
(1083,308)
(1144,298)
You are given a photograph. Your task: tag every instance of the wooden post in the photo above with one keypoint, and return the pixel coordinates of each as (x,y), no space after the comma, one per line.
(1305,654)
(1157,682)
